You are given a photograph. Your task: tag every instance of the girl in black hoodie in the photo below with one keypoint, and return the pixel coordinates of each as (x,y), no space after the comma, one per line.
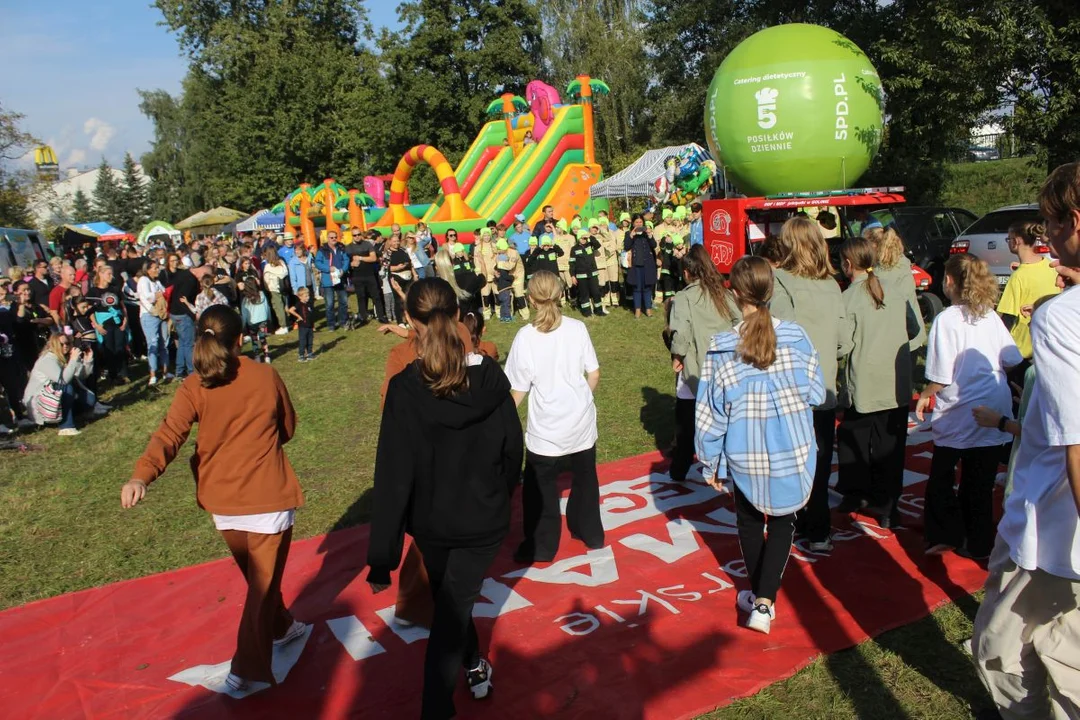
(450,491)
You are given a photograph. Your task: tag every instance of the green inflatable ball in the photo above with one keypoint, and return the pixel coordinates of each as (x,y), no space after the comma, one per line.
(794,108)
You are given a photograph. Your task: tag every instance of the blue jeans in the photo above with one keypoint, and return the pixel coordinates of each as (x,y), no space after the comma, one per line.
(505,296)
(643,295)
(337,304)
(74,398)
(155,330)
(185,344)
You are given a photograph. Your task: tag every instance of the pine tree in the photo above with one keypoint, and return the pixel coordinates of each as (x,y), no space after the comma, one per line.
(106,202)
(134,198)
(80,208)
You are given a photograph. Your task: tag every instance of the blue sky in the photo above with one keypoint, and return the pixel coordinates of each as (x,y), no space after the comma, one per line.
(74,68)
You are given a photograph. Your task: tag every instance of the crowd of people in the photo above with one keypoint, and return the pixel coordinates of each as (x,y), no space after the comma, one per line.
(773,366)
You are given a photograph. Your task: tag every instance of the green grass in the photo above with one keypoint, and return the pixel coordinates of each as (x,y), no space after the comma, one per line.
(62,528)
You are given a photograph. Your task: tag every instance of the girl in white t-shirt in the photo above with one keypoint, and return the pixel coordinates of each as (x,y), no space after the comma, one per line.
(553,361)
(968,355)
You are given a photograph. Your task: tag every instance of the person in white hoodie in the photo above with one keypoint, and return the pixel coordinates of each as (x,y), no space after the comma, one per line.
(52,375)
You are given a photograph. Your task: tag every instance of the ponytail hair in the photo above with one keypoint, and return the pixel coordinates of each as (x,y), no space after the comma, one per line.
(474,323)
(1027,231)
(545,291)
(431,302)
(698,266)
(752,280)
(859,251)
(217,347)
(976,286)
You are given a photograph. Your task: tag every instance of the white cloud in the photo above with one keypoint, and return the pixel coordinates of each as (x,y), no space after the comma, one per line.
(100,133)
(75,157)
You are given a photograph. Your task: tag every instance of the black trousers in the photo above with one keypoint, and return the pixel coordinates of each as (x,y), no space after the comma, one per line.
(814,520)
(456,575)
(588,294)
(963,518)
(399,304)
(766,556)
(367,287)
(540,502)
(13,379)
(682,457)
(870,449)
(112,351)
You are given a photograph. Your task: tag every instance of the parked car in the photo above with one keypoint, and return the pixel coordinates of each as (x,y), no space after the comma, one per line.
(981,153)
(928,234)
(988,238)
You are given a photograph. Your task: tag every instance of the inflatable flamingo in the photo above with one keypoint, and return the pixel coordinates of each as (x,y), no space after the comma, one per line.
(376,188)
(542,100)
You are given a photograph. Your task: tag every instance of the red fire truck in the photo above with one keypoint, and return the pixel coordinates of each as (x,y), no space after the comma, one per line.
(737,226)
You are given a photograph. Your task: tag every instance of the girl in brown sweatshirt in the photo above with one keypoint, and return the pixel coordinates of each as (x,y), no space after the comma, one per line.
(242,477)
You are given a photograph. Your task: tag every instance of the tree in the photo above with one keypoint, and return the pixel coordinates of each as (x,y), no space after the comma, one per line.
(133,197)
(106,202)
(252,122)
(14,142)
(1044,86)
(447,64)
(81,211)
(604,39)
(14,205)
(14,186)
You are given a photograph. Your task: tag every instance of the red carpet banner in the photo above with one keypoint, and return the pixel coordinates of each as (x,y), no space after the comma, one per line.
(645,627)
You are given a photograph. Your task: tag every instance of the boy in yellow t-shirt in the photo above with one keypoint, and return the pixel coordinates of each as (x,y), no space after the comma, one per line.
(1032,279)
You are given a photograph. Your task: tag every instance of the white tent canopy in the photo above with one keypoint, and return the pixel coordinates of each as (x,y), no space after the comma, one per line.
(638,180)
(262,220)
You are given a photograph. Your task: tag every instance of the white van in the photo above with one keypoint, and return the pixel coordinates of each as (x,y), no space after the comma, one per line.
(22,248)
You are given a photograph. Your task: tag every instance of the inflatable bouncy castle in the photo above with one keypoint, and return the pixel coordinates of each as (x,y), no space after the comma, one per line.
(537,150)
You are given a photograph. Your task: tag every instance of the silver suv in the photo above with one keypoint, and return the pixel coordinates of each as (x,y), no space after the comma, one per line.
(988,238)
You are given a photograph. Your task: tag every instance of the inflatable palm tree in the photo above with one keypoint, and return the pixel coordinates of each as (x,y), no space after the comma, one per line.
(584,87)
(508,105)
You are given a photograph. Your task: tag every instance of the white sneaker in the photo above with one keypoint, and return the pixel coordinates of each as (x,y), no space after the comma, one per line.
(281,331)
(153,381)
(236,683)
(102,406)
(480,680)
(69,432)
(295,631)
(761,618)
(101,409)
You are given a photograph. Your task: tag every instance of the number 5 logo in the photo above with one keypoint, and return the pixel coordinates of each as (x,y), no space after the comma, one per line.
(766,99)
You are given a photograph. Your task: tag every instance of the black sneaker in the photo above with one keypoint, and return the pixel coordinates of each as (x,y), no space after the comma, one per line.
(480,680)
(850,504)
(527,556)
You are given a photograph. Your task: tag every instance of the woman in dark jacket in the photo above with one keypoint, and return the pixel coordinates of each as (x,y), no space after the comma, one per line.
(641,275)
(451,491)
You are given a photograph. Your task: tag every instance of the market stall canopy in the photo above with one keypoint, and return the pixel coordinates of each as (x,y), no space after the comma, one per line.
(99,231)
(209,222)
(639,180)
(158,228)
(262,220)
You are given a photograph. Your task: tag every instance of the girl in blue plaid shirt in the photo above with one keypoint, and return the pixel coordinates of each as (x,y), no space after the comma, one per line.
(754,423)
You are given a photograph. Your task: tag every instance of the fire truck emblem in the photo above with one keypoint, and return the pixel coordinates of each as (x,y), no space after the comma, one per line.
(720,222)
